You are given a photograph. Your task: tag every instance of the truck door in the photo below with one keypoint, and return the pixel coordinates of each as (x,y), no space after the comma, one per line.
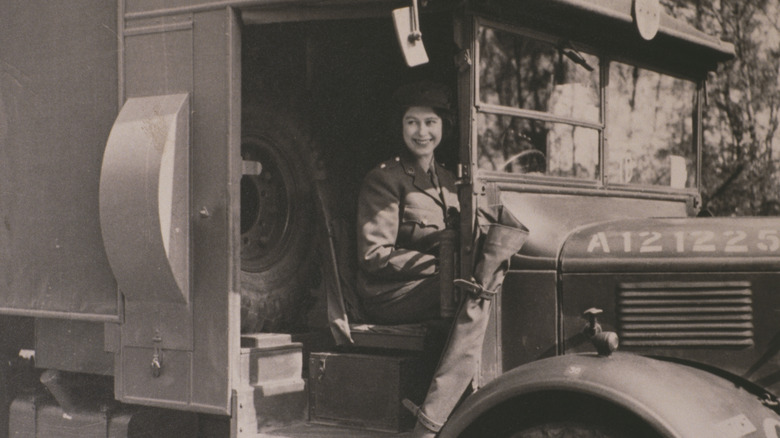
(168,203)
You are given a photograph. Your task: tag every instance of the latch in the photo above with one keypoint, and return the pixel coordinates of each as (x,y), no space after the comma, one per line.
(462,175)
(157,356)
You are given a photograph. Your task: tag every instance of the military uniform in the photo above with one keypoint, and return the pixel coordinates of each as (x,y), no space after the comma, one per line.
(401,209)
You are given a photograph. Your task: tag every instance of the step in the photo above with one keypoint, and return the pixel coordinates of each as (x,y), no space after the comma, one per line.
(263,340)
(271,392)
(271,362)
(309,430)
(365,390)
(258,412)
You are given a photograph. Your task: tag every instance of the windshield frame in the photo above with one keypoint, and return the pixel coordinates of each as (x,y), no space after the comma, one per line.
(601,181)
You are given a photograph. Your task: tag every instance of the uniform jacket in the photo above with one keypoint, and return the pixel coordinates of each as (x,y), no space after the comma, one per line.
(399,213)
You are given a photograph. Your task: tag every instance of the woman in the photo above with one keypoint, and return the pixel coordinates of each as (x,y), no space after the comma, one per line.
(402,207)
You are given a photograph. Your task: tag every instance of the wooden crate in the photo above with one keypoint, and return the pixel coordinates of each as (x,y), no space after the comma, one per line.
(365,390)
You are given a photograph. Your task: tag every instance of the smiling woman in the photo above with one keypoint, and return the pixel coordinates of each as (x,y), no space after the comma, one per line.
(403,207)
(422,133)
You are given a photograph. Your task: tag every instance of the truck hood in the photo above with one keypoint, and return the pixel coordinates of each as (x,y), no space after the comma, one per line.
(673,245)
(697,289)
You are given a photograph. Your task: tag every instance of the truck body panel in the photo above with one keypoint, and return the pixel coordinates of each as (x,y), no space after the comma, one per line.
(58,99)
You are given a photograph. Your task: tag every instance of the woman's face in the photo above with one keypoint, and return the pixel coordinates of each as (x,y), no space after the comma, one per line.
(422,131)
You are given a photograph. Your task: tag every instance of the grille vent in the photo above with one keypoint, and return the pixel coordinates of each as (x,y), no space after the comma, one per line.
(686,314)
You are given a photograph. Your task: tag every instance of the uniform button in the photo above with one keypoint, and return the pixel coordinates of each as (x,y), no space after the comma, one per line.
(397,158)
(382,166)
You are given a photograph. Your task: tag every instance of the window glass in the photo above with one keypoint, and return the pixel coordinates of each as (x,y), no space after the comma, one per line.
(521,145)
(540,112)
(650,128)
(556,80)
(521,72)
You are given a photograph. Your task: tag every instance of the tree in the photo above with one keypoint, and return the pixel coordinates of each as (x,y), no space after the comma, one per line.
(741,116)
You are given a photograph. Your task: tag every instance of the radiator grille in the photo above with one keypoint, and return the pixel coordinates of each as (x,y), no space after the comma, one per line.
(685,314)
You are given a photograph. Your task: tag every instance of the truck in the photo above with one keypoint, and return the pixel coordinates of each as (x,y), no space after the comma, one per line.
(179,180)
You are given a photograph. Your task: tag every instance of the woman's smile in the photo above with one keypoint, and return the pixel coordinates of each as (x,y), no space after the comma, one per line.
(422,129)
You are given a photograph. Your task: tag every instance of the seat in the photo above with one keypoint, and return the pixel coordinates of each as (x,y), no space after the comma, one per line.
(348,325)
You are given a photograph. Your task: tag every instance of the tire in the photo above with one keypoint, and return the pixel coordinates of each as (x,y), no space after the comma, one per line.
(568,429)
(277,221)
(560,415)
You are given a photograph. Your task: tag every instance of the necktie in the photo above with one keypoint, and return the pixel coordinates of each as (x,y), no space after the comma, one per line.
(435,181)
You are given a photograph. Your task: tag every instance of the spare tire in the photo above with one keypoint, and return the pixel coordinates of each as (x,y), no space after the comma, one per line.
(277,221)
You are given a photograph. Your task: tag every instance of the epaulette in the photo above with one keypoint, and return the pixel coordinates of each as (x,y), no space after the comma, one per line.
(393,162)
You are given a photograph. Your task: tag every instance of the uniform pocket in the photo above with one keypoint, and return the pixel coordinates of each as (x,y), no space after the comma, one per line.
(417,226)
(423,218)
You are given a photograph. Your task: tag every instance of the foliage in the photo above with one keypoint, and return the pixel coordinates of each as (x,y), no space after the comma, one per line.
(741,171)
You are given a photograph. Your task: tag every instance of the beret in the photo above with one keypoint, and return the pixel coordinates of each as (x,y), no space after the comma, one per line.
(423,93)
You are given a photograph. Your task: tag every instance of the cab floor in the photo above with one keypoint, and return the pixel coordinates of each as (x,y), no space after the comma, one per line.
(308,430)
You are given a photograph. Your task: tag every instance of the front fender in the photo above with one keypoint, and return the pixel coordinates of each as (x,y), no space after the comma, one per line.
(674,399)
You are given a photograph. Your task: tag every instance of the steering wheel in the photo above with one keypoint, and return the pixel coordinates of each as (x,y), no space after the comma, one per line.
(531,160)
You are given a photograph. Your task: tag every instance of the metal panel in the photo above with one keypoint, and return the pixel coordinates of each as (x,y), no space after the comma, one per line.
(141,386)
(217,169)
(676,400)
(197,53)
(582,291)
(685,314)
(76,346)
(136,6)
(58,84)
(158,57)
(529,308)
(144,199)
(673,244)
(551,216)
(144,213)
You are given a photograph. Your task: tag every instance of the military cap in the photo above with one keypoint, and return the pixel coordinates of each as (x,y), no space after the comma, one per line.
(423,93)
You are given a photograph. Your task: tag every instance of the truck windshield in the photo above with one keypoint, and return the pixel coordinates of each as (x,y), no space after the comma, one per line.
(548,107)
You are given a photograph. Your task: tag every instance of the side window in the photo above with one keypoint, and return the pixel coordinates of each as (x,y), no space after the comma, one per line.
(539,106)
(544,107)
(650,128)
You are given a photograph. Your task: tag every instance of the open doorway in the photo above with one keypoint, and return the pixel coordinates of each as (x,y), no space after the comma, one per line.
(316,103)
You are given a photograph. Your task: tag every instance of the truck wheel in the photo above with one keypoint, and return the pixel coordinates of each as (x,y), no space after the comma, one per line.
(277,226)
(568,430)
(560,415)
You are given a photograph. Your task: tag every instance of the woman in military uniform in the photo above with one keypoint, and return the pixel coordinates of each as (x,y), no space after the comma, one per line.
(403,205)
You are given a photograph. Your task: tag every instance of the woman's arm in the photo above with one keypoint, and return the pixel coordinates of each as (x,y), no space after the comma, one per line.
(378,223)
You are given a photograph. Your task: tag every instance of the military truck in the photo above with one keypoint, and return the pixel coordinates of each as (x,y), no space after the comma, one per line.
(178,192)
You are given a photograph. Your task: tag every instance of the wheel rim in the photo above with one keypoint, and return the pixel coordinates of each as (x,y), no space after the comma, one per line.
(267,206)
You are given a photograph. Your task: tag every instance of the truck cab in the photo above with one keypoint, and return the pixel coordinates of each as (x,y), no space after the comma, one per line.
(182,261)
